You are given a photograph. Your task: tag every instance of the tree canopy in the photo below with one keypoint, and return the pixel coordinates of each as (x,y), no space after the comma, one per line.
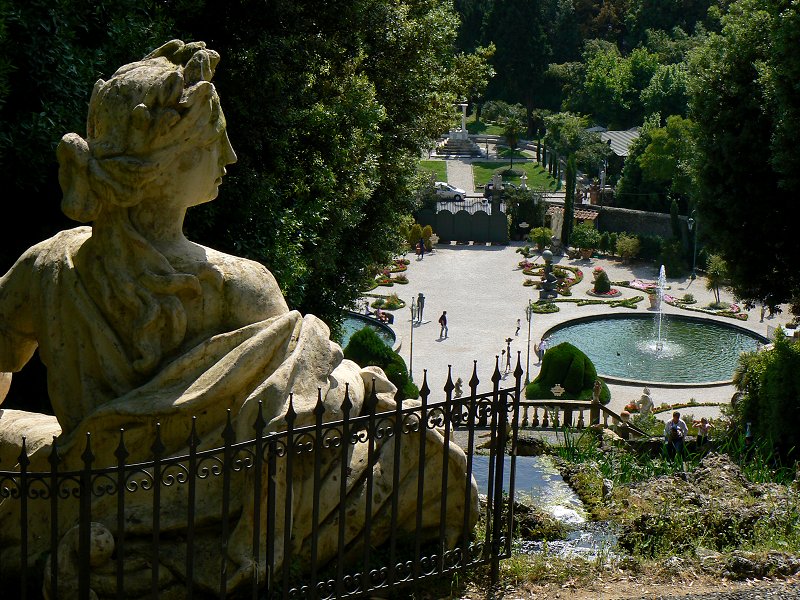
(328,106)
(745,104)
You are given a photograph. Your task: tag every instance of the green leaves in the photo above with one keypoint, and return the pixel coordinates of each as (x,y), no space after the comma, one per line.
(745,109)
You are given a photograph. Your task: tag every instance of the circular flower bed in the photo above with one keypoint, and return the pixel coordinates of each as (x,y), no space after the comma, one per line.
(612,293)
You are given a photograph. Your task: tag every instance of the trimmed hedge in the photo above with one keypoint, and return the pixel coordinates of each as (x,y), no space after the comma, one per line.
(568,366)
(366,349)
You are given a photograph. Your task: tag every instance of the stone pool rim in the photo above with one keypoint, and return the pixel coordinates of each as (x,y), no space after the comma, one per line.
(650,316)
(375,323)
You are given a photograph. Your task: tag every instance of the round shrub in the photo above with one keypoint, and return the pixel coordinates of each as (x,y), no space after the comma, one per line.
(366,349)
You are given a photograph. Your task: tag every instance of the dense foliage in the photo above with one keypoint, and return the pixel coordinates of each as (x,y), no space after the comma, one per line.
(328,106)
(746,106)
(366,348)
(770,386)
(51,54)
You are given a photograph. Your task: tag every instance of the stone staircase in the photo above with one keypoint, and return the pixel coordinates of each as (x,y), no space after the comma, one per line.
(453,147)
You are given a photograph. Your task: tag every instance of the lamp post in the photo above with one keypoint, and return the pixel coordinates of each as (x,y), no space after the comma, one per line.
(411,342)
(694,225)
(529,318)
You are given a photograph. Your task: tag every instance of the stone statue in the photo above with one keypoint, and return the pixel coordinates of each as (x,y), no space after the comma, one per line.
(137,325)
(645,403)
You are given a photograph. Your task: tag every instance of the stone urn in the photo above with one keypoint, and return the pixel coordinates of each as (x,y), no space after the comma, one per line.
(586,253)
(654,301)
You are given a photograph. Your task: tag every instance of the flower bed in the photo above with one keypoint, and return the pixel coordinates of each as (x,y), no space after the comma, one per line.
(390,302)
(612,293)
(639,284)
(567,275)
(399,265)
(734,312)
(625,302)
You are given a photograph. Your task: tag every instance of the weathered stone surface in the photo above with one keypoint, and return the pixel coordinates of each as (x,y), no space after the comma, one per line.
(139,326)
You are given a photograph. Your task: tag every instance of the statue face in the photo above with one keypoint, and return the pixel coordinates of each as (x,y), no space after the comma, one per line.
(197,173)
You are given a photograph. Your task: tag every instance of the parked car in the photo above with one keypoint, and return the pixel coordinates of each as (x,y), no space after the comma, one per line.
(487,190)
(445,191)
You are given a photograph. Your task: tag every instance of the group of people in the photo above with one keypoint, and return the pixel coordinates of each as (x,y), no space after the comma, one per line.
(676,432)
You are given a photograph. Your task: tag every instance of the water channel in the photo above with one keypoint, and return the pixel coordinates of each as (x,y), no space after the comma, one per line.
(538,483)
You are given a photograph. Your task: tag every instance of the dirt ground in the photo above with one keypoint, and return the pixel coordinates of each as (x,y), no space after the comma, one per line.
(622,587)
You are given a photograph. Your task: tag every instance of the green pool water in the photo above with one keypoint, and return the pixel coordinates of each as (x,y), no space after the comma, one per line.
(354,322)
(692,350)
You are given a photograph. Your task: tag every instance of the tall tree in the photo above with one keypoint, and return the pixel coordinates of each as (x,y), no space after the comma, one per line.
(658,168)
(472,73)
(569,200)
(744,99)
(517,28)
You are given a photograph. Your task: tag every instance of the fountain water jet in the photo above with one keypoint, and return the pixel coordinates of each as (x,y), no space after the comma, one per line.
(662,281)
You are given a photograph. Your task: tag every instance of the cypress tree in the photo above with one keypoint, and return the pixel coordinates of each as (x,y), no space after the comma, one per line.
(569,200)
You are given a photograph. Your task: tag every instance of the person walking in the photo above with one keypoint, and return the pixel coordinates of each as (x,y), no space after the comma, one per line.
(443,325)
(541,348)
(420,306)
(519,324)
(508,355)
(421,246)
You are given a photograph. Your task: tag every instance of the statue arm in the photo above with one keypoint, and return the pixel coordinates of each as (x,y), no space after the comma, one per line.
(17,334)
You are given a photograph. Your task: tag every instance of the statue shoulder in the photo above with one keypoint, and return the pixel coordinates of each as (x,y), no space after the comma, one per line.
(58,249)
(249,286)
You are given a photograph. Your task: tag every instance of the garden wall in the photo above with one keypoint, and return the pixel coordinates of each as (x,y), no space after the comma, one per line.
(616,220)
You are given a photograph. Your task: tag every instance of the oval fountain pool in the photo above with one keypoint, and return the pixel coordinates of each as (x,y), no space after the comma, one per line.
(691,350)
(354,322)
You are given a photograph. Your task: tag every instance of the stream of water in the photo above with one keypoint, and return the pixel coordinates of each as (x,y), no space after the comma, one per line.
(539,483)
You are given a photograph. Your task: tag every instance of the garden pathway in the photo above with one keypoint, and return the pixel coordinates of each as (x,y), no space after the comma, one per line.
(459,174)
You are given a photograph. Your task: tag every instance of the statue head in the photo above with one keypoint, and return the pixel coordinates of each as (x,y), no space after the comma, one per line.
(140,123)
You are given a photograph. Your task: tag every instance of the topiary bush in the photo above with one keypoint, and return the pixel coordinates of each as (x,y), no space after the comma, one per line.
(627,246)
(584,236)
(367,349)
(650,246)
(602,284)
(568,366)
(414,234)
(605,242)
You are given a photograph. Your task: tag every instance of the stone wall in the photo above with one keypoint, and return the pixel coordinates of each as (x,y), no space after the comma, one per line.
(639,222)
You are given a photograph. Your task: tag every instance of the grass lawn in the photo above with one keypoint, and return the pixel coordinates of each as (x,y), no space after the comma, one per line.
(538,177)
(439,168)
(482,126)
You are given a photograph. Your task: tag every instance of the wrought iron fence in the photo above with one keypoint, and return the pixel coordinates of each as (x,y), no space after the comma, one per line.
(72,500)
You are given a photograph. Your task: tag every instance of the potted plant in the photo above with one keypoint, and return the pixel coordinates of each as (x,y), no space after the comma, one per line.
(585,237)
(541,236)
(653,297)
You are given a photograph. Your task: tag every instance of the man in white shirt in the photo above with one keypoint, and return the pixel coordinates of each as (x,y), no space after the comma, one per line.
(675,432)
